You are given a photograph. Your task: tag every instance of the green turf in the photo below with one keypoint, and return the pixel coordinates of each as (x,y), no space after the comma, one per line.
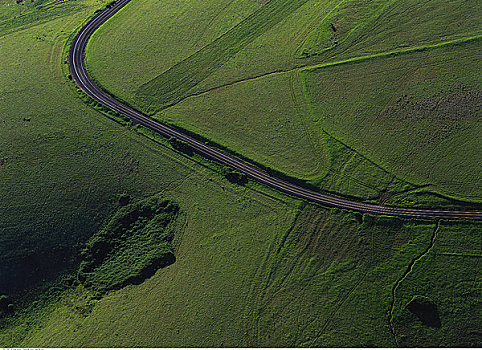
(176,30)
(253,267)
(402,24)
(64,168)
(455,252)
(268,121)
(195,301)
(14,16)
(10,9)
(416,114)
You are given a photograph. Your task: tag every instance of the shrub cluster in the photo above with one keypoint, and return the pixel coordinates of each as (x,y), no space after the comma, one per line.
(6,305)
(132,246)
(235,176)
(181,146)
(425,310)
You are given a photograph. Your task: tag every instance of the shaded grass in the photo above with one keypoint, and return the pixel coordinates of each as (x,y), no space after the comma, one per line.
(196,300)
(64,168)
(63,165)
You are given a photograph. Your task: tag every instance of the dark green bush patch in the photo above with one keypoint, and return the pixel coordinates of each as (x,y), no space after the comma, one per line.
(6,305)
(425,310)
(131,247)
(181,146)
(235,176)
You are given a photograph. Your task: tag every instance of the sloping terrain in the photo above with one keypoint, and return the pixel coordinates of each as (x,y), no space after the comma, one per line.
(251,266)
(254,86)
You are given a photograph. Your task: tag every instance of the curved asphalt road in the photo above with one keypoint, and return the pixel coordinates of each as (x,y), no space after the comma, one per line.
(80,76)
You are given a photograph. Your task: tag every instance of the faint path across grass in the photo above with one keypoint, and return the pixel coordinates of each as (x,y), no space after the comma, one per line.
(305,67)
(405,274)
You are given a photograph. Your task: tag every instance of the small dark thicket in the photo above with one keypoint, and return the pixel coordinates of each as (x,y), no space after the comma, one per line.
(388,221)
(132,247)
(181,146)
(425,310)
(124,199)
(235,176)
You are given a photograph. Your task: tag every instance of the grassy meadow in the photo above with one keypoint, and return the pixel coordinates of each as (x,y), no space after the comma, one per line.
(109,238)
(417,114)
(455,251)
(251,81)
(64,167)
(326,278)
(179,27)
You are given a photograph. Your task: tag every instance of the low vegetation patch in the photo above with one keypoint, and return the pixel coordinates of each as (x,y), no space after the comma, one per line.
(131,247)
(425,310)
(6,305)
(235,176)
(181,146)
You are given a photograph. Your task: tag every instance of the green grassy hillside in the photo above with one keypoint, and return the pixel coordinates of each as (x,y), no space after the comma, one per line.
(417,114)
(108,238)
(327,278)
(249,78)
(64,166)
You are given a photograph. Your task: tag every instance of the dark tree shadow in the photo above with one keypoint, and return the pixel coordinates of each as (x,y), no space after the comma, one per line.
(426,311)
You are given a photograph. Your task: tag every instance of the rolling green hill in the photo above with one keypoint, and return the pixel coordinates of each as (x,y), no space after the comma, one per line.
(112,239)
(255,86)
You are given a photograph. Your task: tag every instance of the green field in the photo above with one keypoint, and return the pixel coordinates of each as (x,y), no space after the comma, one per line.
(417,114)
(63,165)
(179,27)
(250,80)
(111,238)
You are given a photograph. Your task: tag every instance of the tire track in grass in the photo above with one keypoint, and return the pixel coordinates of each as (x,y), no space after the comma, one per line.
(338,306)
(405,274)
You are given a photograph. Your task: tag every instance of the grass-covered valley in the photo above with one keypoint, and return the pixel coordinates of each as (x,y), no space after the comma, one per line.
(113,236)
